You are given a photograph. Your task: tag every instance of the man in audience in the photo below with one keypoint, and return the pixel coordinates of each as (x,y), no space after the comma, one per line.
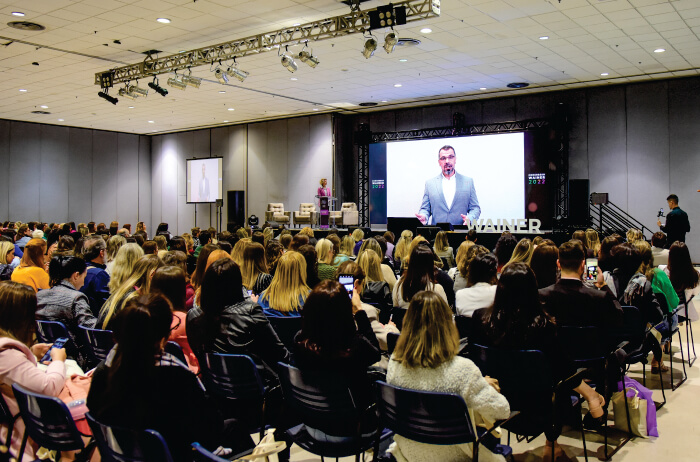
(101,227)
(204,239)
(573,304)
(195,236)
(658,249)
(24,235)
(97,279)
(123,233)
(91,227)
(677,223)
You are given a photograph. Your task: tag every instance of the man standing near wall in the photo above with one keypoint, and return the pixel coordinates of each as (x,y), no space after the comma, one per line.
(677,223)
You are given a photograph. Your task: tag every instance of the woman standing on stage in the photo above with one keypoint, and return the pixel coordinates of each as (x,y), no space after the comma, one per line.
(324,190)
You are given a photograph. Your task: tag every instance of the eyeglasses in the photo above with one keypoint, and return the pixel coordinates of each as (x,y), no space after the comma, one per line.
(443,158)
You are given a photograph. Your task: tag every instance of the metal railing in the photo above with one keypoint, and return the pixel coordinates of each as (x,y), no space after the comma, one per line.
(609,219)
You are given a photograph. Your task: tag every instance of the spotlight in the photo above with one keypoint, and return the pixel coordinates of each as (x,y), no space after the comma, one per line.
(220,74)
(288,63)
(111,99)
(126,94)
(138,91)
(390,41)
(192,81)
(237,73)
(157,88)
(370,46)
(176,82)
(308,58)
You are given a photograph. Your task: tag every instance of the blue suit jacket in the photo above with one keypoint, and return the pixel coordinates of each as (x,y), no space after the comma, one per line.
(465,201)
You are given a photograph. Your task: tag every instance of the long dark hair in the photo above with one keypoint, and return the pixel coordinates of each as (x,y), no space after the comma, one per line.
(682,274)
(627,261)
(544,264)
(171,283)
(198,274)
(222,286)
(327,323)
(139,330)
(517,314)
(62,267)
(17,311)
(420,272)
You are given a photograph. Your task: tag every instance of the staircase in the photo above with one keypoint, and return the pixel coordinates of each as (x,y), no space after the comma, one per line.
(608,219)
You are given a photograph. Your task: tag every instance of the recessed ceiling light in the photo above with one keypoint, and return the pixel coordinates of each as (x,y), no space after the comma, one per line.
(426,30)
(604,74)
(182,51)
(659,50)
(43,106)
(163,20)
(403,60)
(398,85)
(482,88)
(222,91)
(315,109)
(22,90)
(293,78)
(544,37)
(231,109)
(151,122)
(60,120)
(17,13)
(385,101)
(225,121)
(297,24)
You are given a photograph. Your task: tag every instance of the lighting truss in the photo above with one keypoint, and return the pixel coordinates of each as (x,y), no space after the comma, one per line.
(354,22)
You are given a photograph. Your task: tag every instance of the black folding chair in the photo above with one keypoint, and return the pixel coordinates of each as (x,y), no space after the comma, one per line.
(464,326)
(325,403)
(286,329)
(176,350)
(6,418)
(99,343)
(669,339)
(391,339)
(49,331)
(433,418)
(689,340)
(397,314)
(117,444)
(50,424)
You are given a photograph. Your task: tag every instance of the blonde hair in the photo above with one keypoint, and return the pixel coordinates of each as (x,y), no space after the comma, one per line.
(634,235)
(5,248)
(216,255)
(370,244)
(647,265)
(401,249)
(522,252)
(347,245)
(162,242)
(140,277)
(268,233)
(416,240)
(371,265)
(189,242)
(113,245)
(358,235)
(307,231)
(324,250)
(322,180)
(441,244)
(462,253)
(242,233)
(472,252)
(592,240)
(429,337)
(254,263)
(124,263)
(288,285)
(239,249)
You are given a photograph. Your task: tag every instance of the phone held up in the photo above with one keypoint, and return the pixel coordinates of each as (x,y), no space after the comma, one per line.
(59,343)
(348,281)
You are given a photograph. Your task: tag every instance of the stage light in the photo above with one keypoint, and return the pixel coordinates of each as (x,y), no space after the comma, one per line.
(111,99)
(237,73)
(370,46)
(288,63)
(221,75)
(390,41)
(308,58)
(157,88)
(192,81)
(138,91)
(176,82)
(126,94)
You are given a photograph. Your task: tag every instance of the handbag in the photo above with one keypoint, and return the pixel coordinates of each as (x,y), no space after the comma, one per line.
(637,412)
(266,449)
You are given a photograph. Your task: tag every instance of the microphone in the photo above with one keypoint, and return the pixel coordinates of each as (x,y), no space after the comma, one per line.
(661,212)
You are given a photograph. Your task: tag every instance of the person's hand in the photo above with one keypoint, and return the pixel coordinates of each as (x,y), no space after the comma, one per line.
(493,382)
(599,280)
(658,223)
(391,323)
(466,219)
(58,354)
(40,349)
(421,218)
(254,297)
(356,302)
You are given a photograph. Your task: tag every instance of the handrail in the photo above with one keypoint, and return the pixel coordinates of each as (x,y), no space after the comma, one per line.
(610,218)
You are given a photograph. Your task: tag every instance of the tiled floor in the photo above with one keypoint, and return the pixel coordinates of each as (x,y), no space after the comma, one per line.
(678,425)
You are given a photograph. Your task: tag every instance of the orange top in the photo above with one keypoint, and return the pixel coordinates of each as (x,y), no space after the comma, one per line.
(33,276)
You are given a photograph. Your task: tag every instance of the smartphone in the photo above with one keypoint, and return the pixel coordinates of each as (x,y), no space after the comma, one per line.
(250,292)
(57,344)
(592,273)
(347,280)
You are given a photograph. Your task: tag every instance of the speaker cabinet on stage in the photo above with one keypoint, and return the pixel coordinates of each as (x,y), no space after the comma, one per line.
(579,199)
(235,206)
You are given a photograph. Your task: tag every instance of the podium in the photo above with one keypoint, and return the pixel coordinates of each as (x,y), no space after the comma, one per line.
(324,204)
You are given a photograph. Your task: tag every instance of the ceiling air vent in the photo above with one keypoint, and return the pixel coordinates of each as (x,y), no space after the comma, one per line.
(26,25)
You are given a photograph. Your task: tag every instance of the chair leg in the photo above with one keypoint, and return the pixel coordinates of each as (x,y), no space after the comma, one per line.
(684,377)
(661,379)
(20,454)
(689,338)
(583,440)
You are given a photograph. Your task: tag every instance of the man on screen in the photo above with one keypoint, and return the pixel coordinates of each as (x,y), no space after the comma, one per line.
(204,186)
(449,197)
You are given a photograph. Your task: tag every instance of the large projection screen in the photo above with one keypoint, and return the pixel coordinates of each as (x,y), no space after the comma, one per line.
(204,180)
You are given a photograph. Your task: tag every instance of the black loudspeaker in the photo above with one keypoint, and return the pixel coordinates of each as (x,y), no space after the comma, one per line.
(235,203)
(363,135)
(579,200)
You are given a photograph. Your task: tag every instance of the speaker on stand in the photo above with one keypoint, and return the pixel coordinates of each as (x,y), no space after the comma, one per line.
(235,206)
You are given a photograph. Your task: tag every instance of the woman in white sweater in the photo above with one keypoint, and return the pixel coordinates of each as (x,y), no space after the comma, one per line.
(426,358)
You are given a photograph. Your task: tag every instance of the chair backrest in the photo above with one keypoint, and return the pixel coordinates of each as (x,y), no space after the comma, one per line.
(464,325)
(286,329)
(586,346)
(117,444)
(397,314)
(199,454)
(99,343)
(633,328)
(423,416)
(234,377)
(391,339)
(47,420)
(348,207)
(6,418)
(49,331)
(275,207)
(175,350)
(307,207)
(321,401)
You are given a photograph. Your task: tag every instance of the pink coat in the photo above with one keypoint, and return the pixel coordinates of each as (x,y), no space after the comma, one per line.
(18,365)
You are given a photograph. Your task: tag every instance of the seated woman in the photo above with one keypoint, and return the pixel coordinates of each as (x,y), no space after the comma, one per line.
(19,356)
(137,284)
(273,251)
(178,258)
(518,321)
(171,283)
(420,275)
(346,248)
(64,302)
(227,322)
(522,252)
(374,290)
(7,255)
(288,290)
(338,256)
(684,278)
(254,268)
(123,264)
(481,286)
(326,257)
(31,270)
(455,273)
(142,387)
(308,251)
(387,272)
(443,250)
(426,358)
(544,265)
(402,248)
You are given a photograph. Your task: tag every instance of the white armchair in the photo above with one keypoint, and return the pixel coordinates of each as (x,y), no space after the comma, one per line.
(306,215)
(346,216)
(275,212)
